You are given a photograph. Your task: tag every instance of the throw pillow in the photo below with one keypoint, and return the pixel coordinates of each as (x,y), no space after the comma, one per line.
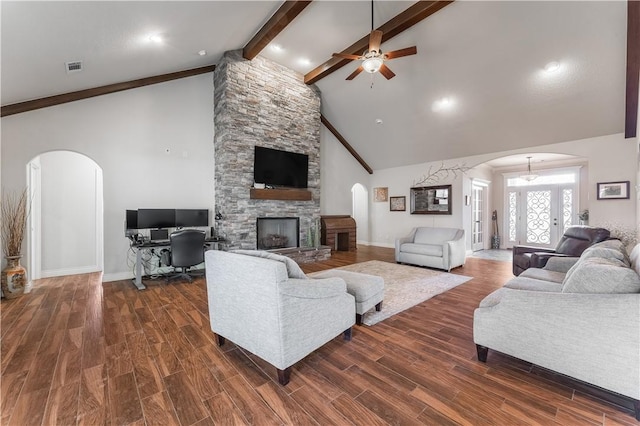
(606,253)
(293,270)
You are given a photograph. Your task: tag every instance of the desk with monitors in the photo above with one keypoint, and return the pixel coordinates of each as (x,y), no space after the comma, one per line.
(159,220)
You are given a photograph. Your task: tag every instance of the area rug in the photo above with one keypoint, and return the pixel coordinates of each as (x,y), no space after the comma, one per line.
(404,286)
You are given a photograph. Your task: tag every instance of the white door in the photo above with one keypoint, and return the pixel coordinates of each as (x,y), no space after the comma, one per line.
(539,215)
(477,217)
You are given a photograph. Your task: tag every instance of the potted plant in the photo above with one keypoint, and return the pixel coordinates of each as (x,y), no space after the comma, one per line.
(584,217)
(13,214)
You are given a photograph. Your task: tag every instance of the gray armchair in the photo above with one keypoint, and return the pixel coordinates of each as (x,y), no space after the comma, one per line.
(254,303)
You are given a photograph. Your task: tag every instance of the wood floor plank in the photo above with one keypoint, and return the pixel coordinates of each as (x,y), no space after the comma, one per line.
(223,411)
(250,403)
(189,408)
(283,405)
(62,405)
(159,411)
(10,388)
(125,403)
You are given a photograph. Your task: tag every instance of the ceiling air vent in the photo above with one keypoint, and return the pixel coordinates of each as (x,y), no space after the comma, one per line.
(74,66)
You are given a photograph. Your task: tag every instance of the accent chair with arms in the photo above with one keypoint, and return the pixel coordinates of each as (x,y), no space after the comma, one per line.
(576,239)
(187,250)
(265,304)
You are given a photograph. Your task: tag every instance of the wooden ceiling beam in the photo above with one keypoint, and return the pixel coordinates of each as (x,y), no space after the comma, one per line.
(633,69)
(390,29)
(278,22)
(346,144)
(99,91)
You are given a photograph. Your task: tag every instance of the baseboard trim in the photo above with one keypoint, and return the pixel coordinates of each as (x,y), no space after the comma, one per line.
(117,276)
(69,271)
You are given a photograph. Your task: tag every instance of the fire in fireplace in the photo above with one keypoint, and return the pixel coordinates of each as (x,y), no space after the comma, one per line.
(277,232)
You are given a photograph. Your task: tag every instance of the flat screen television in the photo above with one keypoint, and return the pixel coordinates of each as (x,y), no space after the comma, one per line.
(192,217)
(280,168)
(156,218)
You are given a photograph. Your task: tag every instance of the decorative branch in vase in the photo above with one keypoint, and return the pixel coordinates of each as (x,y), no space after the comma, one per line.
(442,172)
(13,213)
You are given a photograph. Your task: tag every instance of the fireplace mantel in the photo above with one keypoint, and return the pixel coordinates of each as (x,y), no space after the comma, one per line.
(281,194)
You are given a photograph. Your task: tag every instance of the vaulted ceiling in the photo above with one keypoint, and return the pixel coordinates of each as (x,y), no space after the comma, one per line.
(486,58)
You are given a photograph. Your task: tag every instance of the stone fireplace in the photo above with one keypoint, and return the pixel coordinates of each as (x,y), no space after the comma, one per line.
(277,232)
(262,103)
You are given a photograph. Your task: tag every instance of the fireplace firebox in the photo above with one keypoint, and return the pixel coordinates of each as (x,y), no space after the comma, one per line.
(277,232)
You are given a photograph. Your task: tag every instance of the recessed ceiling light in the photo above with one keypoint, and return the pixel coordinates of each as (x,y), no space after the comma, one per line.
(443,104)
(379,121)
(304,61)
(552,67)
(155,38)
(276,47)
(202,52)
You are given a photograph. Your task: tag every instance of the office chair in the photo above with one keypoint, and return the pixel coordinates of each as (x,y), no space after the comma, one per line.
(187,250)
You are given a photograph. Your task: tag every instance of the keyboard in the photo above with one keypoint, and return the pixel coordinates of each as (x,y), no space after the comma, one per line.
(159,241)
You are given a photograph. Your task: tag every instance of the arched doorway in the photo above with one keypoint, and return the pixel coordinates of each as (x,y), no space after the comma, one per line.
(360,211)
(65,232)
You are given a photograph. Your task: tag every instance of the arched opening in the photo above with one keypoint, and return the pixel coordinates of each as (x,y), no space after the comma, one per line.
(535,206)
(360,211)
(65,232)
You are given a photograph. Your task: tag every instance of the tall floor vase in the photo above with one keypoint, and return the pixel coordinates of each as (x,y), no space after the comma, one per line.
(14,278)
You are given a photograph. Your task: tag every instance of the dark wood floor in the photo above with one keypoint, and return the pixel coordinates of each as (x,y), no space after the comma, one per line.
(76,351)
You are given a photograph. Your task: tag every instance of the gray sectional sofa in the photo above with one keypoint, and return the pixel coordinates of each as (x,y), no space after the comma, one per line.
(576,316)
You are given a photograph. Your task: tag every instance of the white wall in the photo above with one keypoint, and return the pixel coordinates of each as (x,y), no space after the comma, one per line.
(339,171)
(154,145)
(71,194)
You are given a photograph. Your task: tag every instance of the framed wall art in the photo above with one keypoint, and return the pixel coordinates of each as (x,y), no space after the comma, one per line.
(613,190)
(398,204)
(431,200)
(381,194)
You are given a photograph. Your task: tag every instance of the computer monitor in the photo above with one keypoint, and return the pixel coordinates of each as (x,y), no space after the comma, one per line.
(156,218)
(131,219)
(192,217)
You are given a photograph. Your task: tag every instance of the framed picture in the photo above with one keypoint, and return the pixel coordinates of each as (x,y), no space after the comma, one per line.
(380,194)
(431,200)
(398,204)
(613,190)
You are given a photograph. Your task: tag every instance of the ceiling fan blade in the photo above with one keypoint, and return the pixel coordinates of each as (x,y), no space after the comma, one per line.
(386,72)
(401,52)
(345,56)
(355,73)
(374,40)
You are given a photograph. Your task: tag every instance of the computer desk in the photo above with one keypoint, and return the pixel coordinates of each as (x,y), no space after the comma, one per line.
(209,243)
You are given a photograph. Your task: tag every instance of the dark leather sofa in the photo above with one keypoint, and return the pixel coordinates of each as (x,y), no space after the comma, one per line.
(575,240)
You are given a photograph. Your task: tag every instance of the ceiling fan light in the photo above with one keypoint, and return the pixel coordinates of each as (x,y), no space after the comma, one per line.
(372,65)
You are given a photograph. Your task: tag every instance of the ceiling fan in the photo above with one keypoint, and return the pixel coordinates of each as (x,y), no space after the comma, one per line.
(373,60)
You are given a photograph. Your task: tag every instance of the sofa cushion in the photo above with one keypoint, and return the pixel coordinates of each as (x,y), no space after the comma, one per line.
(525,283)
(424,249)
(293,270)
(599,275)
(543,274)
(428,235)
(606,253)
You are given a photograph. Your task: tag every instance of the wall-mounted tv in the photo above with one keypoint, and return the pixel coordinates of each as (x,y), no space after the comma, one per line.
(280,168)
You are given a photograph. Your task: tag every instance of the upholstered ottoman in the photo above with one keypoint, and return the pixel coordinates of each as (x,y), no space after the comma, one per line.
(367,289)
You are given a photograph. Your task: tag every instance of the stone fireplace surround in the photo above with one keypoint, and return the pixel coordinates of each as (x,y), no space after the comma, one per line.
(259,102)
